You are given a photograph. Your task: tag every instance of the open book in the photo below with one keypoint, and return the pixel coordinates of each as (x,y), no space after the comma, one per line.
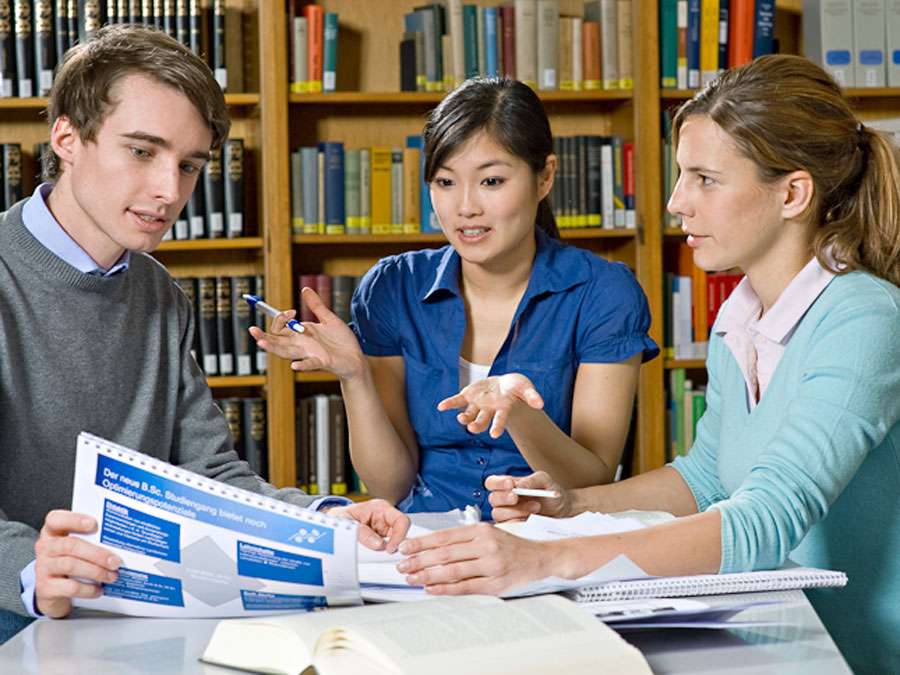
(480,633)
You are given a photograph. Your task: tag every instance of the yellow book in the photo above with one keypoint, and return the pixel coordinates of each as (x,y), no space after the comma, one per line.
(381,190)
(709,41)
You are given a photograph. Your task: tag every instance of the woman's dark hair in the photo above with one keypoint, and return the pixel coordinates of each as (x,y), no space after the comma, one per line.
(511,115)
(785,114)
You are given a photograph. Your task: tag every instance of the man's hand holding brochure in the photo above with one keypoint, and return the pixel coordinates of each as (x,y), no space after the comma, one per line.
(192,546)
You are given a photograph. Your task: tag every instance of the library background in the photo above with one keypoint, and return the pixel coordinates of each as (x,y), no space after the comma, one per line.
(322,174)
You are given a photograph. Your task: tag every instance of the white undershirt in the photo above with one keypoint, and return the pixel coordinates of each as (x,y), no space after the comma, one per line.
(471,372)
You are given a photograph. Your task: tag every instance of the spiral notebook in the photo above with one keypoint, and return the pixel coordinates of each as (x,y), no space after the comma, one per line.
(783,579)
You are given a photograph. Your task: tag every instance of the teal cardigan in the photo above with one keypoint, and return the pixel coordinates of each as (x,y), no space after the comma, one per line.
(813,472)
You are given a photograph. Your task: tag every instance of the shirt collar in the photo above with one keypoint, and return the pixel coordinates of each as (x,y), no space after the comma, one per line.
(778,323)
(552,278)
(46,229)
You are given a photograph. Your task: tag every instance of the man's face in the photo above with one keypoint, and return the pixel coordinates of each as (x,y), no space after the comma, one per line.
(124,189)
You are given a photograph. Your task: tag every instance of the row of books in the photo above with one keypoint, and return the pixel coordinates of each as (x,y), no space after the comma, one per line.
(594,184)
(857,41)
(246,419)
(11,174)
(377,190)
(686,404)
(323,456)
(335,291)
(222,343)
(216,207)
(312,48)
(692,300)
(526,40)
(34,34)
(698,39)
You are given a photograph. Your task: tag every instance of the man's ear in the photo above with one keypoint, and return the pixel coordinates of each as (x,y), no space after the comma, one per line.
(799,189)
(64,139)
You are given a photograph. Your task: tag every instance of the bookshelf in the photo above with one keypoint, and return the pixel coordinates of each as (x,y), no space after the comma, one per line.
(368,110)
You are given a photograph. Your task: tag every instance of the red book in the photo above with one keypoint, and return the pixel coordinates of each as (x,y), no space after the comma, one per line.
(315,18)
(323,288)
(508,40)
(740,32)
(590,50)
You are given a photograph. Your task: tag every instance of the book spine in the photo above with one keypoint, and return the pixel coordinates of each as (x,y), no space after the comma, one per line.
(224,334)
(581,172)
(431,72)
(233,410)
(365,191)
(44,52)
(508,39)
(547,43)
(12,174)
(259,319)
(625,43)
(724,21)
(427,219)
(305,281)
(828,37)
(618,181)
(217,48)
(668,44)
(892,47)
(490,42)
(255,443)
(195,26)
(681,64)
(300,51)
(693,43)
(60,30)
(470,31)
(296,162)
(396,191)
(869,40)
(206,289)
(381,190)
(764,27)
(170,18)
(242,319)
(320,190)
(526,36)
(408,76)
(310,176)
(333,179)
(628,167)
(323,444)
(479,39)
(337,445)
(24,48)
(315,36)
(607,208)
(329,51)
(189,286)
(609,43)
(351,191)
(447,53)
(302,444)
(593,180)
(411,202)
(341,294)
(709,40)
(214,195)
(234,187)
(183,22)
(455,24)
(590,40)
(577,54)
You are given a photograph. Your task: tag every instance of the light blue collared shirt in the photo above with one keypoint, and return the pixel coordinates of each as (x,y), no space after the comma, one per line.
(47,230)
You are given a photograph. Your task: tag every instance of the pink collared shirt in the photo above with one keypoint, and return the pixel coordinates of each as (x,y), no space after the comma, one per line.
(758,343)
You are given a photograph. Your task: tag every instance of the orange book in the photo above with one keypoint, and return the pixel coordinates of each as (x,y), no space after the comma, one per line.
(740,32)
(315,18)
(699,292)
(590,46)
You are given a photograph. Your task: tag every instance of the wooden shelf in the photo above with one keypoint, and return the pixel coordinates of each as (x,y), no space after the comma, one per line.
(315,376)
(688,364)
(40,102)
(437,238)
(236,381)
(211,244)
(852,92)
(416,98)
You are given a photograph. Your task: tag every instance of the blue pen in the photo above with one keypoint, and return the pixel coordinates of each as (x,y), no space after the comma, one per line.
(260,306)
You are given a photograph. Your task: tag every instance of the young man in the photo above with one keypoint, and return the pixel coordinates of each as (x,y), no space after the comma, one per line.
(94,333)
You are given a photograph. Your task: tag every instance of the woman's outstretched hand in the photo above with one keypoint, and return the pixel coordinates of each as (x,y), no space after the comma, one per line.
(491,401)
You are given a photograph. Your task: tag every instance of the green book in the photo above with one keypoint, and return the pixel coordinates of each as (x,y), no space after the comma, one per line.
(668,44)
(329,52)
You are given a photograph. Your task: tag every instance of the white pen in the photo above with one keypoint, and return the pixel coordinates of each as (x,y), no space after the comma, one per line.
(268,310)
(529,492)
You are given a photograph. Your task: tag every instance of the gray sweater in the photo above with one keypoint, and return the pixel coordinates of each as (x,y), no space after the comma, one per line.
(108,355)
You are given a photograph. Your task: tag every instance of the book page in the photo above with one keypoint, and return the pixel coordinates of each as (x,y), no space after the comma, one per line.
(454,635)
